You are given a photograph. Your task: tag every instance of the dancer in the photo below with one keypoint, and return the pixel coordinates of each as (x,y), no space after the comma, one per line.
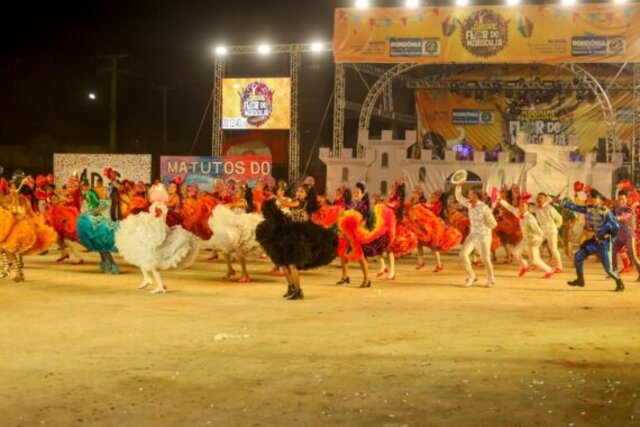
(481,223)
(294,242)
(605,229)
(625,216)
(430,229)
(405,240)
(23,231)
(146,241)
(97,231)
(532,237)
(356,240)
(550,222)
(63,215)
(234,232)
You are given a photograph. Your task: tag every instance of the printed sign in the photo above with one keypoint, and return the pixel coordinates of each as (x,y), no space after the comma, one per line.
(257,103)
(205,171)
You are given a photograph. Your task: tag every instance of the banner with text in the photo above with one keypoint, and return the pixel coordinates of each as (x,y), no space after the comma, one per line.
(524,34)
(206,171)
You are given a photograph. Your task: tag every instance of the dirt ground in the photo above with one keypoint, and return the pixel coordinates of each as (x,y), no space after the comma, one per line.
(81,348)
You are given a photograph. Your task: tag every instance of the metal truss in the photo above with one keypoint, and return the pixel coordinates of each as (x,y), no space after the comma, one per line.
(635,143)
(338,110)
(391,116)
(217,134)
(294,144)
(294,51)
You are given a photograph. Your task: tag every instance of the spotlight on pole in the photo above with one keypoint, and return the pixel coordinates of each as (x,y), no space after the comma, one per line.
(411,3)
(317,47)
(462,3)
(568,2)
(362,4)
(264,49)
(92,96)
(513,2)
(221,50)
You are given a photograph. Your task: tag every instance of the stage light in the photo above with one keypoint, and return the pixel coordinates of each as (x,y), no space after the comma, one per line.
(620,1)
(462,3)
(317,47)
(513,2)
(92,96)
(412,3)
(362,4)
(568,2)
(221,50)
(264,49)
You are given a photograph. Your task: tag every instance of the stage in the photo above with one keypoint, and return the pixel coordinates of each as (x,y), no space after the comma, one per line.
(79,347)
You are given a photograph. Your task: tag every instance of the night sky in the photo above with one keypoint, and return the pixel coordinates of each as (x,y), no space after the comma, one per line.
(50,60)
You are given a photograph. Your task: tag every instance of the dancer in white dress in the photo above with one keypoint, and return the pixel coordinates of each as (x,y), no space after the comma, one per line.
(145,240)
(532,237)
(481,221)
(234,232)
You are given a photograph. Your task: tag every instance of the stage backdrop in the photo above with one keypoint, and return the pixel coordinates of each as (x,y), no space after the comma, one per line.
(491,118)
(256,103)
(205,171)
(134,167)
(500,34)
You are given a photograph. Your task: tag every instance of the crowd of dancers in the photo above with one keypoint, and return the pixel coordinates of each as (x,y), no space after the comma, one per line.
(156,227)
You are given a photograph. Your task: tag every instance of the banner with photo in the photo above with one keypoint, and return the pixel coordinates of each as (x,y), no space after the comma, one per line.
(548,33)
(134,167)
(206,171)
(485,118)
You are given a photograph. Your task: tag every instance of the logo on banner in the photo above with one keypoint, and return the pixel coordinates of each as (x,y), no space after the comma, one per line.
(431,47)
(472,117)
(485,33)
(256,103)
(406,47)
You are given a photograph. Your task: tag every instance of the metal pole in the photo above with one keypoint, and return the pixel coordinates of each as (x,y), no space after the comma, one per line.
(294,143)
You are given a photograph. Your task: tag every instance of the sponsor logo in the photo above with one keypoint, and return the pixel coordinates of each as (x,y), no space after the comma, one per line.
(589,46)
(405,47)
(472,117)
(615,45)
(485,33)
(431,47)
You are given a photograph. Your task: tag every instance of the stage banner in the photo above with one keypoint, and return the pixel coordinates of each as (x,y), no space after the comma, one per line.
(206,171)
(256,103)
(134,167)
(498,34)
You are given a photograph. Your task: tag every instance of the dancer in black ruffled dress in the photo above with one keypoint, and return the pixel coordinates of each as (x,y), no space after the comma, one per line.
(292,241)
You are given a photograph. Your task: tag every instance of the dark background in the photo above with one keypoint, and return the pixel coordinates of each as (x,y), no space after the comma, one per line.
(50,59)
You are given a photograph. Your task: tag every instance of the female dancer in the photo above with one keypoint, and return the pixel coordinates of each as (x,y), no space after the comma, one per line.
(22,230)
(146,241)
(405,239)
(293,241)
(357,240)
(97,231)
(63,215)
(430,229)
(174,204)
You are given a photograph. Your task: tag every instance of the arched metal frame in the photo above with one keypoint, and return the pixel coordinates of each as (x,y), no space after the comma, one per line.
(378,88)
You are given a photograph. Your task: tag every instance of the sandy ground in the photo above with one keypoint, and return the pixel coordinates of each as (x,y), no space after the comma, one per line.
(81,348)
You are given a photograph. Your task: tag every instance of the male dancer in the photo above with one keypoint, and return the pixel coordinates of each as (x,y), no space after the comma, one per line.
(481,223)
(550,221)
(625,216)
(605,228)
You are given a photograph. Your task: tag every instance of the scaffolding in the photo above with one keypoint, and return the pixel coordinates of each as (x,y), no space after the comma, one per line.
(294,51)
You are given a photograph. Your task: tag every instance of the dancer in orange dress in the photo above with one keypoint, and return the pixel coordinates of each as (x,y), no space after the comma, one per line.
(405,240)
(63,215)
(22,231)
(431,230)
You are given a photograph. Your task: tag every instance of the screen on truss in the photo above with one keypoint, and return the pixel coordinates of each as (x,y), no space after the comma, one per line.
(256,103)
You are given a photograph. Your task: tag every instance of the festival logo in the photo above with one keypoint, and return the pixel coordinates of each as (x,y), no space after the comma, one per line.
(485,33)
(256,103)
